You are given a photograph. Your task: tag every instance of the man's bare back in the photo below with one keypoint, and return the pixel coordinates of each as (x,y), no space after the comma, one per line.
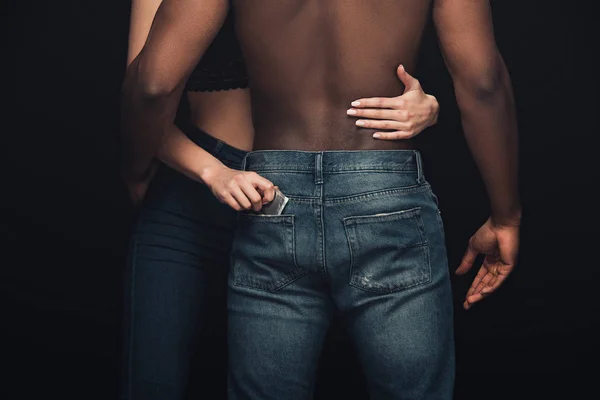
(308,60)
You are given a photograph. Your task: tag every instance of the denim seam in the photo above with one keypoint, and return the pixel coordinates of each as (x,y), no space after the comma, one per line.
(131,319)
(359,197)
(293,246)
(290,169)
(303,199)
(365,219)
(371,170)
(368,195)
(352,257)
(420,175)
(275,287)
(425,249)
(436,200)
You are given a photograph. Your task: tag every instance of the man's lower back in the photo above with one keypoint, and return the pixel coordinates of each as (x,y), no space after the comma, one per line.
(308,60)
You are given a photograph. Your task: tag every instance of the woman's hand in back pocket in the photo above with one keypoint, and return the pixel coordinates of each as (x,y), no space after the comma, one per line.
(241,190)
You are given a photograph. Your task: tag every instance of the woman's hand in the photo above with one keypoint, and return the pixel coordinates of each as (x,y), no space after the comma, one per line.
(401,117)
(241,190)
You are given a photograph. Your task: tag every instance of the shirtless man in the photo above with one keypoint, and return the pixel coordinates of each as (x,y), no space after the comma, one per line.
(361,234)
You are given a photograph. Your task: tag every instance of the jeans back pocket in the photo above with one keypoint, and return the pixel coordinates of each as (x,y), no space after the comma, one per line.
(389,252)
(263,254)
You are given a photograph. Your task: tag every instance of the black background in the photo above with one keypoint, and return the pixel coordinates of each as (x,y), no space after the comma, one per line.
(66,217)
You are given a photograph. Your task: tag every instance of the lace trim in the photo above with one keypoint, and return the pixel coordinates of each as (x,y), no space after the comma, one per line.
(211,78)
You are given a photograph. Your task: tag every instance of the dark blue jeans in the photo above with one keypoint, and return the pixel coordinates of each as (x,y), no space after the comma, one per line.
(176,278)
(361,236)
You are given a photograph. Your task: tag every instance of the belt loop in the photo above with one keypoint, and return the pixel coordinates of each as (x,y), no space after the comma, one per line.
(419,160)
(218,147)
(319,168)
(244,161)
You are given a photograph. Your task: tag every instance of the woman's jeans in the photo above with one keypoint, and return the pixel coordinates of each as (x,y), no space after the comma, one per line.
(176,278)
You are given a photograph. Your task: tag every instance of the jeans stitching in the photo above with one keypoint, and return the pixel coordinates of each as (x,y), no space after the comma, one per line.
(293,168)
(369,195)
(358,197)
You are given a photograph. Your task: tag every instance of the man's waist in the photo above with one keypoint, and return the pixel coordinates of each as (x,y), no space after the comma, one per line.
(332,139)
(333,160)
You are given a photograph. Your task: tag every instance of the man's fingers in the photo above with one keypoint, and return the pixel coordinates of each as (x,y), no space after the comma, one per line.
(484,282)
(379,113)
(494,285)
(467,261)
(478,278)
(484,287)
(476,291)
(472,300)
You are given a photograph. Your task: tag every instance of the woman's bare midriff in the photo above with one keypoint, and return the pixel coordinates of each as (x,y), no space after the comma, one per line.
(225,115)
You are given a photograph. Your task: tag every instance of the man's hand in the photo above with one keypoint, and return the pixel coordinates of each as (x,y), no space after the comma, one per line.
(405,116)
(500,244)
(241,190)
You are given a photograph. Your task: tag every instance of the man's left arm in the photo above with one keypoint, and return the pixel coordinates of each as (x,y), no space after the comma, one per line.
(485,99)
(484,95)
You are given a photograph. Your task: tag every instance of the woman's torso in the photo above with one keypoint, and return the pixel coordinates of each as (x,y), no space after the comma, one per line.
(218,93)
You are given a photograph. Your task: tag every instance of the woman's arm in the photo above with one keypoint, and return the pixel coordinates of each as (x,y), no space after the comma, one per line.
(177,151)
(140,21)
(163,50)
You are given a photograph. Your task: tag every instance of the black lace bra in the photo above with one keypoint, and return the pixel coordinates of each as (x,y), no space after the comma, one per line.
(222,66)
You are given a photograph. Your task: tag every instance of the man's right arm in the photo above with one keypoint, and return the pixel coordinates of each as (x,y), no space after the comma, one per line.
(180,34)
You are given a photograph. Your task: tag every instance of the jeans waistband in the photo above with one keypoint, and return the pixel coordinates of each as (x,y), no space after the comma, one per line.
(408,161)
(231,156)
